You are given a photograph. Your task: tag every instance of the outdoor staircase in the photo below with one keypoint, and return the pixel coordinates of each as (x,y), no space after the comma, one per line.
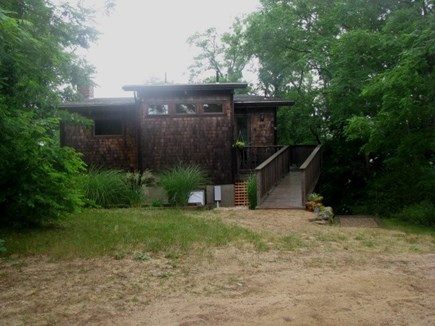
(286,177)
(286,194)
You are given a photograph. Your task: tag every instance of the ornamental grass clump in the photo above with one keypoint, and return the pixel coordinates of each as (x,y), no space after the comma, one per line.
(112,188)
(180,181)
(251,188)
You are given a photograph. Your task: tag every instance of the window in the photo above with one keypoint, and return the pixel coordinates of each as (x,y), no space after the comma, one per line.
(213,108)
(158,109)
(185,109)
(105,127)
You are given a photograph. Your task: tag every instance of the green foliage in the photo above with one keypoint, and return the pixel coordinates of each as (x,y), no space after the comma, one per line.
(38,177)
(156,203)
(314,197)
(251,188)
(2,246)
(38,68)
(111,188)
(239,144)
(180,181)
(407,226)
(361,73)
(221,55)
(422,213)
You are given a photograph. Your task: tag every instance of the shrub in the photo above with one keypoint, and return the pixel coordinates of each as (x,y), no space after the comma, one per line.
(180,181)
(109,188)
(2,246)
(38,178)
(251,188)
(421,214)
(156,203)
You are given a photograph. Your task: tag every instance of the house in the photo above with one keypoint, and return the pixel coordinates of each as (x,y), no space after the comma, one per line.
(160,126)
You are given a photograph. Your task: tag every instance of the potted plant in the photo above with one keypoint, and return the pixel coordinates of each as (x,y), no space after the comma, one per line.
(309,205)
(315,197)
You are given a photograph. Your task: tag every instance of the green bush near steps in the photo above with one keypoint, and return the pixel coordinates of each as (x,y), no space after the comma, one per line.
(251,188)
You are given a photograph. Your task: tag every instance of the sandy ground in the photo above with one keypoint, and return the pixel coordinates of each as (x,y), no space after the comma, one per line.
(324,285)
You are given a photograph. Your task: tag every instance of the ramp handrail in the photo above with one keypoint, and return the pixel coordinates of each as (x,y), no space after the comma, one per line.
(271,171)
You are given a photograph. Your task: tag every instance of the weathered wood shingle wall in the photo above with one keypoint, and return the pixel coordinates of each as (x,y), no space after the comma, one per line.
(262,127)
(116,151)
(201,138)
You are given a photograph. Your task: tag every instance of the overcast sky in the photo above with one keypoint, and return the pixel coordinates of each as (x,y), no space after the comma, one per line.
(144,39)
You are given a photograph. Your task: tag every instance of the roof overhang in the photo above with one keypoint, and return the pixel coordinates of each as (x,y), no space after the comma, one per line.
(112,102)
(241,101)
(171,88)
(255,101)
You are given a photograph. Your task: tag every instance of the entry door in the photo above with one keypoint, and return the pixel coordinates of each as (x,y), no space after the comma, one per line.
(242,128)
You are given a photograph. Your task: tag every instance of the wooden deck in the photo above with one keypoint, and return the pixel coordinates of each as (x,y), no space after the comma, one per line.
(287,194)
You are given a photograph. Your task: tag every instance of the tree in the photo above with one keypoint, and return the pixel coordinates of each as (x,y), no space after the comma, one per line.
(361,73)
(400,135)
(39,68)
(222,55)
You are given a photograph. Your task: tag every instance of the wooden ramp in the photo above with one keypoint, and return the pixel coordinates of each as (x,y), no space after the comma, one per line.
(287,194)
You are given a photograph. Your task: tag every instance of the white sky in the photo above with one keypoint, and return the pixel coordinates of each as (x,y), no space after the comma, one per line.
(144,39)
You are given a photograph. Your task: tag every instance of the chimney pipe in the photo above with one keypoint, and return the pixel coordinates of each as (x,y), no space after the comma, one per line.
(87,92)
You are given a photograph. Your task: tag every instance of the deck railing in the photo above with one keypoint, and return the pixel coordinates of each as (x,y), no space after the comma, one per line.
(271,171)
(310,171)
(275,163)
(250,157)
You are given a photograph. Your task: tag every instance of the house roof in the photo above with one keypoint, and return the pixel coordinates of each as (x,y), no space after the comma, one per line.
(240,101)
(246,100)
(184,87)
(101,102)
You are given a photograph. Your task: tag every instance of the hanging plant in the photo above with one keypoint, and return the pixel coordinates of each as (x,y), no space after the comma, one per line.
(239,144)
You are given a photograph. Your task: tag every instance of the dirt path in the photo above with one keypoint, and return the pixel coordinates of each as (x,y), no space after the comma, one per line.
(321,284)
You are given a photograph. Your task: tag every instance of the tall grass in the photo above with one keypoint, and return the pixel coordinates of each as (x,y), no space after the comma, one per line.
(122,233)
(180,181)
(251,188)
(111,188)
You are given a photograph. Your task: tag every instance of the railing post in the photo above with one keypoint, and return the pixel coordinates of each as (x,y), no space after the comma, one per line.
(259,186)
(303,188)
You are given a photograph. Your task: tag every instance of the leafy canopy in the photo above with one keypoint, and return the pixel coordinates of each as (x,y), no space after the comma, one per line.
(362,75)
(39,67)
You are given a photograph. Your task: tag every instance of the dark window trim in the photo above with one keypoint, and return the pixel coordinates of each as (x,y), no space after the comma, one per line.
(184,113)
(172,108)
(213,113)
(148,106)
(114,135)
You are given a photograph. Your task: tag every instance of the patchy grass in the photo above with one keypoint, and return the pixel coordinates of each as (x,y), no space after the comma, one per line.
(292,242)
(400,225)
(128,232)
(140,234)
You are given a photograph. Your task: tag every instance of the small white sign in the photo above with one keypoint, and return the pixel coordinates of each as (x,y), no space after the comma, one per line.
(197,198)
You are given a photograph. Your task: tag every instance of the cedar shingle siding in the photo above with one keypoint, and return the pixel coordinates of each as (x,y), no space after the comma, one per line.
(111,151)
(261,131)
(166,125)
(201,138)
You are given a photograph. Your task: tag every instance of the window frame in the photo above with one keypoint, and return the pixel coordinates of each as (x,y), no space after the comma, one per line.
(204,104)
(195,105)
(149,106)
(106,120)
